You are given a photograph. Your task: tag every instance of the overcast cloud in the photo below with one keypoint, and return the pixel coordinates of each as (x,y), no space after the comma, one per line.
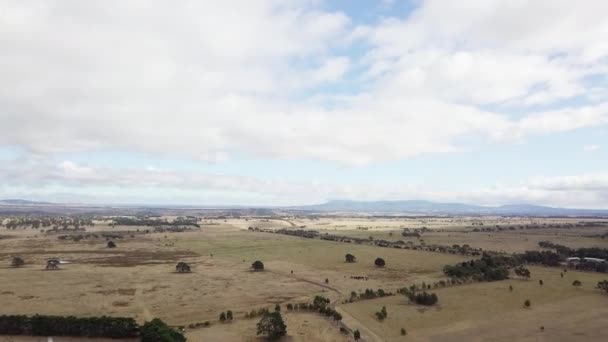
(213,81)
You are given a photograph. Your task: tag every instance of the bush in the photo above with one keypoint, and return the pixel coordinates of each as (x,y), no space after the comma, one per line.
(257,265)
(182,267)
(17,262)
(424,298)
(379,262)
(157,331)
(272,326)
(382,314)
(350,258)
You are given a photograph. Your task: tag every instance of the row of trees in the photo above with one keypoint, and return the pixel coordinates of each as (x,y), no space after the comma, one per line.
(108,327)
(40,325)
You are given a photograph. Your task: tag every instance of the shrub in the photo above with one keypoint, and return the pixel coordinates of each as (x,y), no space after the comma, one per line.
(156,331)
(17,262)
(424,298)
(272,326)
(257,265)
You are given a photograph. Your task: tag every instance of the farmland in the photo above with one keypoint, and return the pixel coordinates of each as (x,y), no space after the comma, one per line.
(137,278)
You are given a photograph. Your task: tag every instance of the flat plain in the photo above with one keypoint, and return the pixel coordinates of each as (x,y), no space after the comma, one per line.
(138,279)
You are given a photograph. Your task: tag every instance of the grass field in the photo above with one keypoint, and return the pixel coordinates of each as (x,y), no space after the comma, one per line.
(489,311)
(137,279)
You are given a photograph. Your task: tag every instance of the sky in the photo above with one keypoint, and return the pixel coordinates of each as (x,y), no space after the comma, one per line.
(272,102)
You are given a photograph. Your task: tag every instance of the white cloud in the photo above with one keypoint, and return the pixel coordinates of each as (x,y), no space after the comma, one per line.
(214,80)
(72,182)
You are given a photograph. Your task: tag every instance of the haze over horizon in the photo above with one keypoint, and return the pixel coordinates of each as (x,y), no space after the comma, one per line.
(298,102)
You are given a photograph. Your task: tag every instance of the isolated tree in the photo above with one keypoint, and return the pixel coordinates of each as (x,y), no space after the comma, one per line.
(540,282)
(577,283)
(561,274)
(511,288)
(52,264)
(229,316)
(17,262)
(527,303)
(223,317)
(111,244)
(257,265)
(403,332)
(350,258)
(379,262)
(272,326)
(182,267)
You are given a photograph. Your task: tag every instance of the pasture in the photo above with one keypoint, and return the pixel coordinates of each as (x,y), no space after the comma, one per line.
(138,279)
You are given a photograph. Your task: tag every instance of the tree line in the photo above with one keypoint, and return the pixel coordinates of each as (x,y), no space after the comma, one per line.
(104,326)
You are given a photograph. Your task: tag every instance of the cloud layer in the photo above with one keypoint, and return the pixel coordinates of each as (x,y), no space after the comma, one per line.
(211,80)
(291,80)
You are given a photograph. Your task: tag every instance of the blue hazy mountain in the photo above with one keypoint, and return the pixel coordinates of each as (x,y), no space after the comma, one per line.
(428,207)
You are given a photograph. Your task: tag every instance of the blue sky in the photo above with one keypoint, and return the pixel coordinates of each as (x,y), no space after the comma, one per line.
(281,103)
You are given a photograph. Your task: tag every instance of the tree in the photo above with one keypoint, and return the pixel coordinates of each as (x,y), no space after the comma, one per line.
(156,331)
(527,303)
(52,264)
(229,316)
(350,258)
(111,244)
(272,326)
(223,317)
(403,332)
(522,272)
(257,265)
(603,285)
(577,283)
(379,262)
(357,335)
(277,308)
(511,288)
(18,262)
(182,267)
(540,282)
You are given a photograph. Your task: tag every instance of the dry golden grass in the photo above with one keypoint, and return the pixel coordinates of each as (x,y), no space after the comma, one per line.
(137,279)
(489,311)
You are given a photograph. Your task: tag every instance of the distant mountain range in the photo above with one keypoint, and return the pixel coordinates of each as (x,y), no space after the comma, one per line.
(409,207)
(434,208)
(21,202)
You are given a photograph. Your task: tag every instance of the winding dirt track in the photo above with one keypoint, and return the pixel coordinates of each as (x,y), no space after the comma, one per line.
(347,321)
